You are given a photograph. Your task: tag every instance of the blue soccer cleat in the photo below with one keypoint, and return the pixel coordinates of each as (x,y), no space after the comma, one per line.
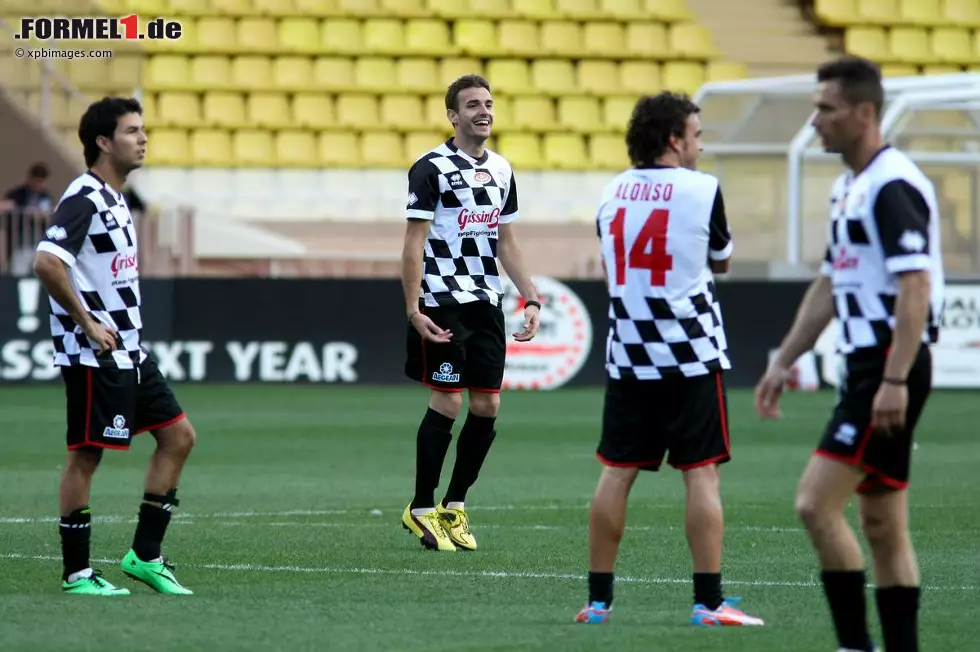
(594,613)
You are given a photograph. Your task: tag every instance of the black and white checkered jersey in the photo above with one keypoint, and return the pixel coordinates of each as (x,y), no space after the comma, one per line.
(93,233)
(466,199)
(883,221)
(658,229)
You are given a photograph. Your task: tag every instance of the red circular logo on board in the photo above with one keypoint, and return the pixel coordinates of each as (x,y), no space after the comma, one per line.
(482,177)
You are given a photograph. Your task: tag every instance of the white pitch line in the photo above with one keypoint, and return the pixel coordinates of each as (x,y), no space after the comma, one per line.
(262,568)
(504,526)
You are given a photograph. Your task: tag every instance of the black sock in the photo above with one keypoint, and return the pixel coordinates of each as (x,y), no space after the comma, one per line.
(76,537)
(600,587)
(152,524)
(898,610)
(474,443)
(707,590)
(845,593)
(431,445)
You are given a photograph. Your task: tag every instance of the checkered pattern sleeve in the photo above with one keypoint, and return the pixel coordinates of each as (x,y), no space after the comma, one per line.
(902,217)
(720,243)
(69,226)
(423,190)
(509,213)
(827,265)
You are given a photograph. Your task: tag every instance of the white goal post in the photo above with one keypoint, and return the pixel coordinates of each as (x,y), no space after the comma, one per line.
(935,119)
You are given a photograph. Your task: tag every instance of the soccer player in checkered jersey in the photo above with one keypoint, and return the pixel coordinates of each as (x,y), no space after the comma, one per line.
(663,231)
(88,263)
(462,203)
(883,279)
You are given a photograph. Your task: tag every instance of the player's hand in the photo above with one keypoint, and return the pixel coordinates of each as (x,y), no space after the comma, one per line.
(888,409)
(532,322)
(428,328)
(768,391)
(102,335)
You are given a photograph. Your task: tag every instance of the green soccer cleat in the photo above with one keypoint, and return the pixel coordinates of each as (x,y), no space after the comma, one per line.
(155,574)
(92,585)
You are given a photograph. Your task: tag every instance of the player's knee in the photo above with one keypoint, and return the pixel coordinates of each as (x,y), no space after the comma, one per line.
(178,439)
(484,404)
(84,460)
(446,403)
(882,533)
(810,511)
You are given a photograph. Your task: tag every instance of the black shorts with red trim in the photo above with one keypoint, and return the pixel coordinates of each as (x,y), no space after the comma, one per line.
(107,407)
(474,358)
(848,437)
(644,421)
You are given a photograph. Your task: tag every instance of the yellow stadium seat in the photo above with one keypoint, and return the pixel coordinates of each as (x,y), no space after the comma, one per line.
(565,152)
(418,143)
(382,149)
(167,71)
(726,71)
(292,73)
(339,149)
(965,13)
(921,12)
(868,42)
(518,37)
(375,73)
(404,8)
(624,10)
(616,112)
(148,103)
(503,115)
(554,76)
(257,35)
(941,70)
(342,36)
(561,37)
(358,111)
(472,8)
(281,8)
(682,76)
(178,109)
(158,7)
(692,41)
(384,36)
(318,8)
(197,8)
(249,71)
(533,113)
(86,74)
(299,35)
(224,109)
(583,10)
(296,149)
(952,45)
(168,147)
(428,36)
(268,110)
(647,40)
(124,71)
(598,77)
(608,152)
(604,39)
(640,77)
(417,74)
(838,13)
(215,35)
(476,37)
(536,9)
(334,73)
(509,76)
(669,11)
(435,112)
(899,70)
(403,112)
(253,147)
(313,111)
(211,71)
(580,114)
(910,45)
(453,68)
(361,8)
(211,147)
(877,12)
(522,150)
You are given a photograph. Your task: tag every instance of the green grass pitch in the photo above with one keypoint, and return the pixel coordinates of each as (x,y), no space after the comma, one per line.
(289,533)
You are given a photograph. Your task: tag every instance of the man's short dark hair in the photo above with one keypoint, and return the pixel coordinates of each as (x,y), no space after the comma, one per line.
(38,171)
(859,80)
(655,119)
(101,119)
(460,85)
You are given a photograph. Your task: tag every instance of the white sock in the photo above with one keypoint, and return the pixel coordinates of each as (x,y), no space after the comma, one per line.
(74,577)
(454,505)
(422,511)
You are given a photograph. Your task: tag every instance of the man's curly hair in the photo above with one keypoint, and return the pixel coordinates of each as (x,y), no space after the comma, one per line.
(655,119)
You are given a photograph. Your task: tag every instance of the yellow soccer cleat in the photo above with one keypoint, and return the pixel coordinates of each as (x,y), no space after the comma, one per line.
(428,528)
(457,525)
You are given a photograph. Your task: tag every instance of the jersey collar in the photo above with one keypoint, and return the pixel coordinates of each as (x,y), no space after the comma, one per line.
(455,150)
(105,186)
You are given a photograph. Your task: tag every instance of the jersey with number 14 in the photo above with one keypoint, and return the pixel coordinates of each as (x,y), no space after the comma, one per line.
(658,228)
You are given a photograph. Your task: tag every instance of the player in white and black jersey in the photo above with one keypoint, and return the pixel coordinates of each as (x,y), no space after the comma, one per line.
(883,279)
(663,231)
(462,203)
(89,264)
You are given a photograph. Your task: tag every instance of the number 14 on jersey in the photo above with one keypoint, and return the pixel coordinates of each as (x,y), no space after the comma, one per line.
(648,251)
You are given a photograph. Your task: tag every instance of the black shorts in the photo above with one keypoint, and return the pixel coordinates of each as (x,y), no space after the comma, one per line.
(643,421)
(473,359)
(848,437)
(107,407)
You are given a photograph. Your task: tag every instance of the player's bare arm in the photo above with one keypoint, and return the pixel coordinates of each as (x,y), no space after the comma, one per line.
(51,271)
(509,252)
(814,314)
(416,232)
